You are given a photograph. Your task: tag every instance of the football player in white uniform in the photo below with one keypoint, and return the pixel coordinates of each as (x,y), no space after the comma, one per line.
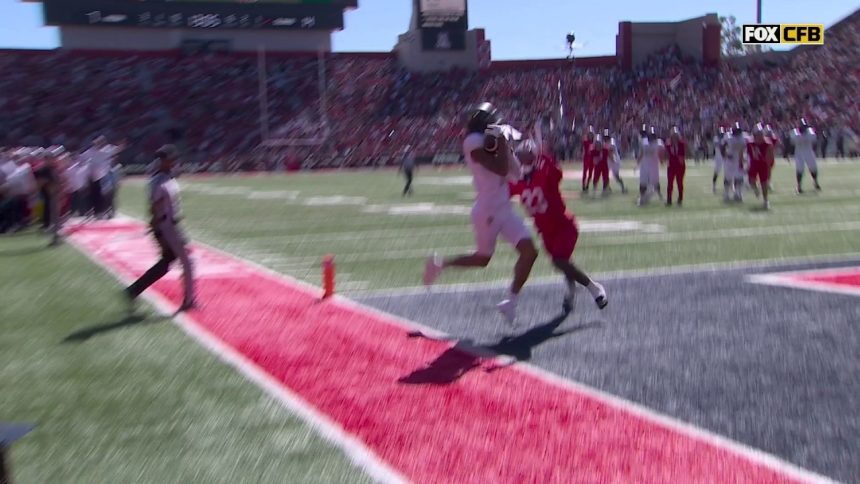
(614,158)
(733,162)
(803,138)
(492,163)
(651,152)
(719,153)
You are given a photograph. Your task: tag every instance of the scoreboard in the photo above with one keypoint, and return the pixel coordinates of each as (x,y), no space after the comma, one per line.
(200,14)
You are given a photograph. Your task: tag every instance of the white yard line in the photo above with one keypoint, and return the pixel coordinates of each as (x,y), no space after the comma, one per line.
(625,274)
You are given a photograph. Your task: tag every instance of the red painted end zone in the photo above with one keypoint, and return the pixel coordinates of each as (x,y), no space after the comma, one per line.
(506,425)
(850,277)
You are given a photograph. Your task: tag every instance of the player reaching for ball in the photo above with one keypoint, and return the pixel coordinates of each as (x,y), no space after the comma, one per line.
(540,193)
(492,164)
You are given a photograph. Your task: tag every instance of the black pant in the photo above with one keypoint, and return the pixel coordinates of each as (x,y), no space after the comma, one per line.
(408,187)
(12,210)
(47,200)
(97,200)
(173,246)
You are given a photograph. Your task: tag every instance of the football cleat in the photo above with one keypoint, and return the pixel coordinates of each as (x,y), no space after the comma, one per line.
(601,300)
(508,309)
(432,269)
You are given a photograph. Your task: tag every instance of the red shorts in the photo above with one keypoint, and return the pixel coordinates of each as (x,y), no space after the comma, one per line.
(760,171)
(561,241)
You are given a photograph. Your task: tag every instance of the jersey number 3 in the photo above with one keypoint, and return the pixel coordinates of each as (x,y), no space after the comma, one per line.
(534,201)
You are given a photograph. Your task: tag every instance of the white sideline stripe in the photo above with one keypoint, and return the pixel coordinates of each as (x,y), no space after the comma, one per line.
(625,274)
(618,240)
(783,279)
(684,428)
(356,451)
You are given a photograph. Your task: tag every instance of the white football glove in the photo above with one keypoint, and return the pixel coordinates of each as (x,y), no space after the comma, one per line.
(494,130)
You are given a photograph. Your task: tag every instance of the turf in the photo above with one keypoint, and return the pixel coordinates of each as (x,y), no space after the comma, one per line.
(119,399)
(131,401)
(279,221)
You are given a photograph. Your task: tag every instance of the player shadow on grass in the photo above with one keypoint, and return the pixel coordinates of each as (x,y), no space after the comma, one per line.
(466,356)
(129,320)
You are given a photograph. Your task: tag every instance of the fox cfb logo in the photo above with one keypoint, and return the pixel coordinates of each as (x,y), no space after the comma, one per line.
(807,34)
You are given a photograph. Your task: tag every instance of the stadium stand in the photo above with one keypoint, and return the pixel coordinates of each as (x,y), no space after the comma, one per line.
(208,104)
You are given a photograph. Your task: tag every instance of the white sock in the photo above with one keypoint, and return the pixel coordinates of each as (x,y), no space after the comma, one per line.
(571,289)
(513,297)
(593,288)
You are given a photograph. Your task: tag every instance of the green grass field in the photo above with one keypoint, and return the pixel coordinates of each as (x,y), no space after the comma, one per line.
(119,400)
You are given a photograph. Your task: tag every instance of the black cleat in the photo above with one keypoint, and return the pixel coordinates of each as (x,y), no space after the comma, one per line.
(187,306)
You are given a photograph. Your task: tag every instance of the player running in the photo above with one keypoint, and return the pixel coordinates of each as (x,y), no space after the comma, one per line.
(600,155)
(491,162)
(760,151)
(803,138)
(719,156)
(650,154)
(733,182)
(587,158)
(540,194)
(614,158)
(676,150)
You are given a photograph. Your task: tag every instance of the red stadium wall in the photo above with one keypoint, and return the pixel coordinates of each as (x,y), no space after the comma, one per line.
(711,45)
(624,45)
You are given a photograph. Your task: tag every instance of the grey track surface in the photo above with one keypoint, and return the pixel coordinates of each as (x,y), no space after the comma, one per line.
(774,368)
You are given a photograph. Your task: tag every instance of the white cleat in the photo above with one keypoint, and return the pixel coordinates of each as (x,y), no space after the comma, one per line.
(601,299)
(508,308)
(432,269)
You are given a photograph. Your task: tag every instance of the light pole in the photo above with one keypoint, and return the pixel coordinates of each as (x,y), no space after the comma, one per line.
(758,12)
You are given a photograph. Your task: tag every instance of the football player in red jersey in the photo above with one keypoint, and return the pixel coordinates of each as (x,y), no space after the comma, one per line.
(600,156)
(587,159)
(760,152)
(676,149)
(771,136)
(540,193)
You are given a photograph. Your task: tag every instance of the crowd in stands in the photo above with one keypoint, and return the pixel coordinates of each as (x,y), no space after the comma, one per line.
(371,111)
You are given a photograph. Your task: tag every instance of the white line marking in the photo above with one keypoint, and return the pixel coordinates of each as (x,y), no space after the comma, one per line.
(625,274)
(356,451)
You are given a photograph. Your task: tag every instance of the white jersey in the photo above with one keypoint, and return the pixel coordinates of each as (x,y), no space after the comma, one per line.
(77,174)
(491,190)
(735,148)
(21,182)
(719,141)
(804,143)
(99,161)
(614,156)
(651,153)
(165,187)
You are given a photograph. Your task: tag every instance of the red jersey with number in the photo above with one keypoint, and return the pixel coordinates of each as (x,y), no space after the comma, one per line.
(586,151)
(675,151)
(540,194)
(758,153)
(599,156)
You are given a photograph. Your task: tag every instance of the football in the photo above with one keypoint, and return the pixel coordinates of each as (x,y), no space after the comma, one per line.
(491,143)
